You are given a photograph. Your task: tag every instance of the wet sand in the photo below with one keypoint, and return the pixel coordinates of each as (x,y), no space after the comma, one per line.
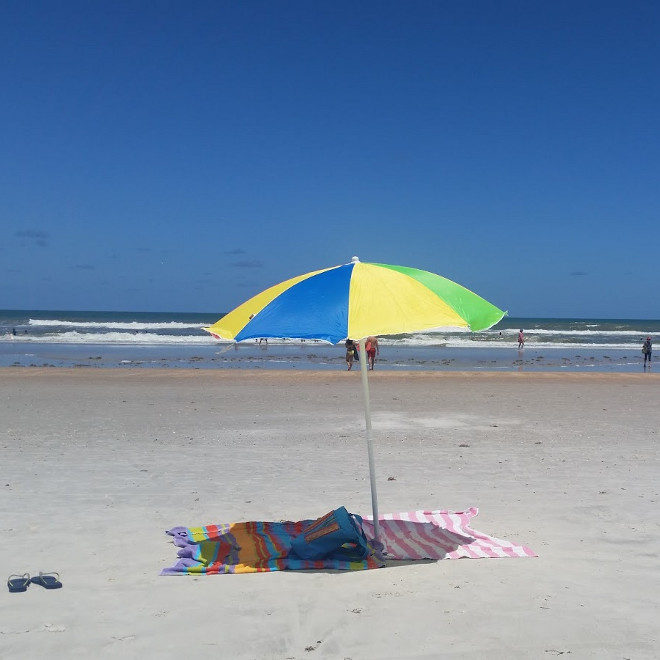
(320,356)
(96,464)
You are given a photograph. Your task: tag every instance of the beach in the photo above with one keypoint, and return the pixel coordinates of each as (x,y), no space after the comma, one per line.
(97,464)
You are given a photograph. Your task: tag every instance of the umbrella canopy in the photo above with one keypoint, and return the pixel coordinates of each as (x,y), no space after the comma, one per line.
(357,300)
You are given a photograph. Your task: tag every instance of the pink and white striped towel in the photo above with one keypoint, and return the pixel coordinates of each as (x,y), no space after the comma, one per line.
(438,535)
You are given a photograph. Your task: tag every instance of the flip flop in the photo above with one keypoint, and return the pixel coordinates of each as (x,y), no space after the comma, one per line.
(47,580)
(16,583)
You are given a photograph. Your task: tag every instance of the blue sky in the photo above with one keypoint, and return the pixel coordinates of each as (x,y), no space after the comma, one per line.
(174,156)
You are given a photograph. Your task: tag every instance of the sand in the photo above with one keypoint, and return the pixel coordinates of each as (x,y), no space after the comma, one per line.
(96,464)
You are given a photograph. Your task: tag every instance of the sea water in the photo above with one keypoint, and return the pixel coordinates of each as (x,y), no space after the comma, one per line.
(148,339)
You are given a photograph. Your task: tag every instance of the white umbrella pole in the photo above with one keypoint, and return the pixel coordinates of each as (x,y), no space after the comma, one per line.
(370,449)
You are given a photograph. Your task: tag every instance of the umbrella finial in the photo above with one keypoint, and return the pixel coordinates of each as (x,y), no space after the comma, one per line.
(355,260)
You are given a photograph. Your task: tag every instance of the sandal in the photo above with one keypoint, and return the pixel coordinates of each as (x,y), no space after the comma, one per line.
(16,583)
(47,580)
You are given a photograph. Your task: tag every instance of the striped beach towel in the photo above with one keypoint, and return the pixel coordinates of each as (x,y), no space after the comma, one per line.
(438,535)
(248,547)
(256,547)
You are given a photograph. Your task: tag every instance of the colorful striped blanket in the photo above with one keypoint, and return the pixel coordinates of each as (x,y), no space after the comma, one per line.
(254,547)
(248,547)
(438,535)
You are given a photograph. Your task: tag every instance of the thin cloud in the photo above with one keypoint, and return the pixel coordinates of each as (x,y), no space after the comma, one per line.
(235,251)
(578,273)
(247,263)
(32,233)
(34,236)
(84,267)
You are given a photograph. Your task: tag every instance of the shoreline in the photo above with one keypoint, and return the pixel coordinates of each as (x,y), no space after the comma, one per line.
(319,357)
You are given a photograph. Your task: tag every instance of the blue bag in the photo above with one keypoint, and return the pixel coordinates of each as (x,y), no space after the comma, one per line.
(335,535)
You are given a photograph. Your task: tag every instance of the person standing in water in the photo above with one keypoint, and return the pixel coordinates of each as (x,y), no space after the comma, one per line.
(371,347)
(351,353)
(264,339)
(521,339)
(647,348)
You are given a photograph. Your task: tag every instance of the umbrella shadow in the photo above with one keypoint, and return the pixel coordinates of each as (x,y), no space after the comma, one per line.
(397,563)
(403,537)
(409,540)
(389,563)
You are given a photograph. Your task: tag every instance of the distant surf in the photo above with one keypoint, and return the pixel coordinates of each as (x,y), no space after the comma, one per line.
(147,338)
(146,328)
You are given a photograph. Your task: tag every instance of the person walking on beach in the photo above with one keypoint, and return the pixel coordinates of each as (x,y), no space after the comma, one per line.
(521,339)
(647,348)
(261,339)
(371,346)
(351,353)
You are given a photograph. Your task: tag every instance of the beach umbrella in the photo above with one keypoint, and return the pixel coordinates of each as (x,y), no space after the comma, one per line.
(358,300)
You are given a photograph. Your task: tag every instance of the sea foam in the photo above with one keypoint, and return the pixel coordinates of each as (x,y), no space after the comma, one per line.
(114,325)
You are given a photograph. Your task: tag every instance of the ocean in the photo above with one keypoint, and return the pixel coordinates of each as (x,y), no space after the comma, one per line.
(176,339)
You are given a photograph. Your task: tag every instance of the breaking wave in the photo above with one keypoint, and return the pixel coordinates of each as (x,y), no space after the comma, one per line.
(113,325)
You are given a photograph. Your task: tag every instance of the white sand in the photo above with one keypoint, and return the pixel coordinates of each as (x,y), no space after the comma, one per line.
(95,465)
